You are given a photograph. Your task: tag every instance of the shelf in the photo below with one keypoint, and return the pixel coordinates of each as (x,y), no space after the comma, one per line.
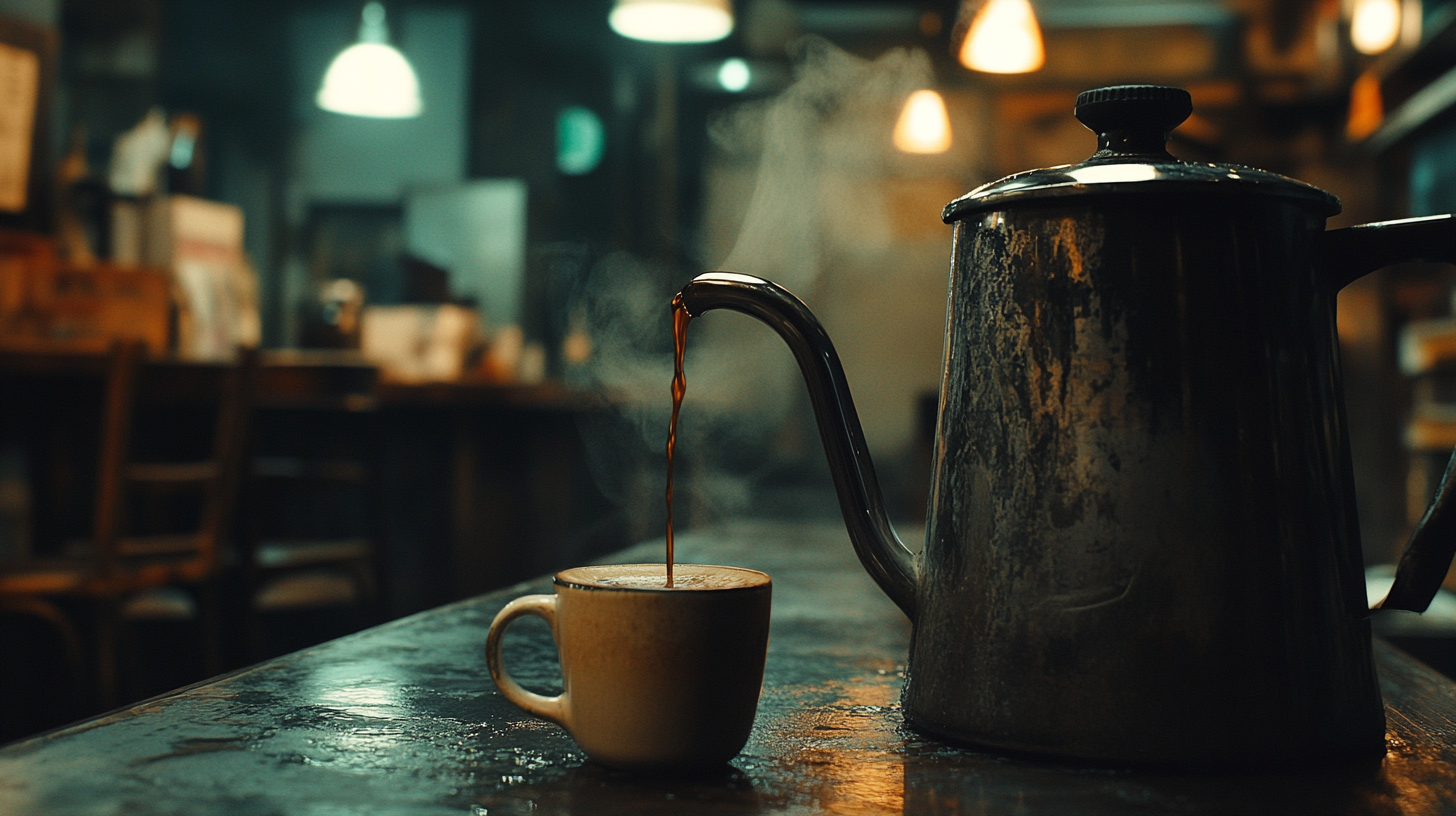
(1424,106)
(1418,85)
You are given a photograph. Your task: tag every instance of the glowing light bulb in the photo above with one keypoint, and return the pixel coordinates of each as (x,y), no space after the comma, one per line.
(1375,25)
(1004,38)
(924,126)
(371,78)
(734,75)
(672,21)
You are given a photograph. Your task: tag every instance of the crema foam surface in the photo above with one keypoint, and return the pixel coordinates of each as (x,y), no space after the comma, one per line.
(654,576)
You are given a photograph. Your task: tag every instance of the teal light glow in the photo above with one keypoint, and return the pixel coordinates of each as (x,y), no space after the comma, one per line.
(734,75)
(580,139)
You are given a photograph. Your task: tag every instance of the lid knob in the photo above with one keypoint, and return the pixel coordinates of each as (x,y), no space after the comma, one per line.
(1133,119)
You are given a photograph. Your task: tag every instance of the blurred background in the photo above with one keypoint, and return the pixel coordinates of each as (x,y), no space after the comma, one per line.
(445,235)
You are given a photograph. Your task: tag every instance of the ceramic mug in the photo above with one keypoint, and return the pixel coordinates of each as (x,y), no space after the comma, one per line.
(655,677)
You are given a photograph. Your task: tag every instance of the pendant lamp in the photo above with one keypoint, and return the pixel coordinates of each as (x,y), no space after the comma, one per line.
(371,78)
(1004,38)
(672,21)
(924,126)
(1375,25)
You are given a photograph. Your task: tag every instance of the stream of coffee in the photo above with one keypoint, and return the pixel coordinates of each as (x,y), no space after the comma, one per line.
(680,320)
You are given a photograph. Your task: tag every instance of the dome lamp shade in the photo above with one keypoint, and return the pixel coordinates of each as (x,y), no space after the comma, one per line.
(371,78)
(672,21)
(1004,38)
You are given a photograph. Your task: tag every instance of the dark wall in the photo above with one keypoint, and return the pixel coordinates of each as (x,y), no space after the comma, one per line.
(1432,184)
(531,59)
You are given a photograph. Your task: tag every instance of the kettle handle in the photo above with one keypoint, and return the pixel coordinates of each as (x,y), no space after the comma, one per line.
(880,550)
(1354,252)
(1349,254)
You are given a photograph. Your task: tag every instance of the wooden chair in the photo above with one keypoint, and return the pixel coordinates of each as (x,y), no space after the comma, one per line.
(312,418)
(113,565)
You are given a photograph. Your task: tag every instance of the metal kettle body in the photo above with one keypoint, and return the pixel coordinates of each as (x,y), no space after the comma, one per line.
(1141,542)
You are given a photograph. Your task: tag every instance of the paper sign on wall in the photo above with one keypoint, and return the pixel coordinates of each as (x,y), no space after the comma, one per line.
(19,84)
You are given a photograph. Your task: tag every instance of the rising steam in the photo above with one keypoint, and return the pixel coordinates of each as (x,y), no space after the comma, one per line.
(821,145)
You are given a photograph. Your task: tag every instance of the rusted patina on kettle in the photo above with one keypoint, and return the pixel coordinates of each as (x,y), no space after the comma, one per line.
(1142,543)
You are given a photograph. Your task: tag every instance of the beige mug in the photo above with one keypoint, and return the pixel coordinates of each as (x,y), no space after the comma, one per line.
(655,677)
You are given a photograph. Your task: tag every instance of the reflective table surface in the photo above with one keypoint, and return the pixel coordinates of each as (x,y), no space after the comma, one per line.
(404,719)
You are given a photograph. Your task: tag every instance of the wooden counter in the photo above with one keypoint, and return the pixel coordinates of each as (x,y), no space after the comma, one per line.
(477,484)
(404,719)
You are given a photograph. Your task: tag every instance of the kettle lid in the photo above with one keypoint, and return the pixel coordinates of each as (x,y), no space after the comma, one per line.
(1132,123)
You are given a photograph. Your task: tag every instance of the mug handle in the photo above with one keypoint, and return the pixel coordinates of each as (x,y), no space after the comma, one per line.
(1349,254)
(555,708)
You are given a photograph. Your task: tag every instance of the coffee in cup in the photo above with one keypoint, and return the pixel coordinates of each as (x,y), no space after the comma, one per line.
(655,677)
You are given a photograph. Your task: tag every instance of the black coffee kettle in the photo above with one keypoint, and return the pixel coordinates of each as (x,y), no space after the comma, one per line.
(1142,543)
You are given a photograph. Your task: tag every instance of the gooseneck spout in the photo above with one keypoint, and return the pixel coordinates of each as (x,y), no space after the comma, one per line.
(888,561)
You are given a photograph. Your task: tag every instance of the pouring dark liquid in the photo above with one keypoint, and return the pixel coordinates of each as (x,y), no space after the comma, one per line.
(680,319)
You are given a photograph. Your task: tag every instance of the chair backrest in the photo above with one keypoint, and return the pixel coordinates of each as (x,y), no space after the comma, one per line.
(115,437)
(135,456)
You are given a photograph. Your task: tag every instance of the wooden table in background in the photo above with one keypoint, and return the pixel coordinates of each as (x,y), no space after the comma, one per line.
(481,484)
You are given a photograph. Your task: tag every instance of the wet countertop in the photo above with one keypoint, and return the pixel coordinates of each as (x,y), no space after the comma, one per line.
(403,719)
